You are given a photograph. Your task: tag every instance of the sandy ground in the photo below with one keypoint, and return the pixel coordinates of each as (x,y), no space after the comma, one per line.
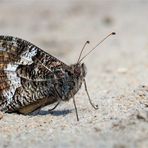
(117,72)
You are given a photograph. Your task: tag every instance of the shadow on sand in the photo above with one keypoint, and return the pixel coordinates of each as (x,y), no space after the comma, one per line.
(54,112)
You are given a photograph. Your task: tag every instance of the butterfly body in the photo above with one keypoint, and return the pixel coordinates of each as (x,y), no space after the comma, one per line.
(30,78)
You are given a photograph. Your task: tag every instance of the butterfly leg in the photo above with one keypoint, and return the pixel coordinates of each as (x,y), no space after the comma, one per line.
(54,107)
(75,108)
(94,106)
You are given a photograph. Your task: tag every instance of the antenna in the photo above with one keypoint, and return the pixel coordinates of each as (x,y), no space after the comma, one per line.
(113,33)
(87,42)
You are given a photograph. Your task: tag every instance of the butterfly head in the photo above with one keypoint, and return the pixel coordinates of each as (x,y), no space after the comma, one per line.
(80,70)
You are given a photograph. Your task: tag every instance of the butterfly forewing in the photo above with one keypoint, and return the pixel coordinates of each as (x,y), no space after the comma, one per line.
(26,75)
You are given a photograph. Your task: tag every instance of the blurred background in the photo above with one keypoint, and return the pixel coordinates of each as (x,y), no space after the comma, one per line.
(115,70)
(62,26)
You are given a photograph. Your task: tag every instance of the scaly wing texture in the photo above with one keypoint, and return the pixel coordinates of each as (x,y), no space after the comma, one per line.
(26,75)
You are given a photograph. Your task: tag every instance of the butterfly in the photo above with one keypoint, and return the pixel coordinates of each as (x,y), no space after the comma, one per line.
(30,78)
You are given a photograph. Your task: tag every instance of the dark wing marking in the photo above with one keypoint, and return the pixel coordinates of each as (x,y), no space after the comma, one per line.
(26,74)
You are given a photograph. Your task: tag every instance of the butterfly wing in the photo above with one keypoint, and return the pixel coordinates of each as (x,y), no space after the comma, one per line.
(26,75)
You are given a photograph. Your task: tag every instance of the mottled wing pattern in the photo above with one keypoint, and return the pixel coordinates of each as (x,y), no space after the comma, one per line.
(26,75)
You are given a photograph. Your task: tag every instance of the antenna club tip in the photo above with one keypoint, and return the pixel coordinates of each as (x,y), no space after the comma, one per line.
(113,33)
(87,42)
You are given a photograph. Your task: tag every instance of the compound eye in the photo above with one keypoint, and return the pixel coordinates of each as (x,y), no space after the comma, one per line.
(77,71)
